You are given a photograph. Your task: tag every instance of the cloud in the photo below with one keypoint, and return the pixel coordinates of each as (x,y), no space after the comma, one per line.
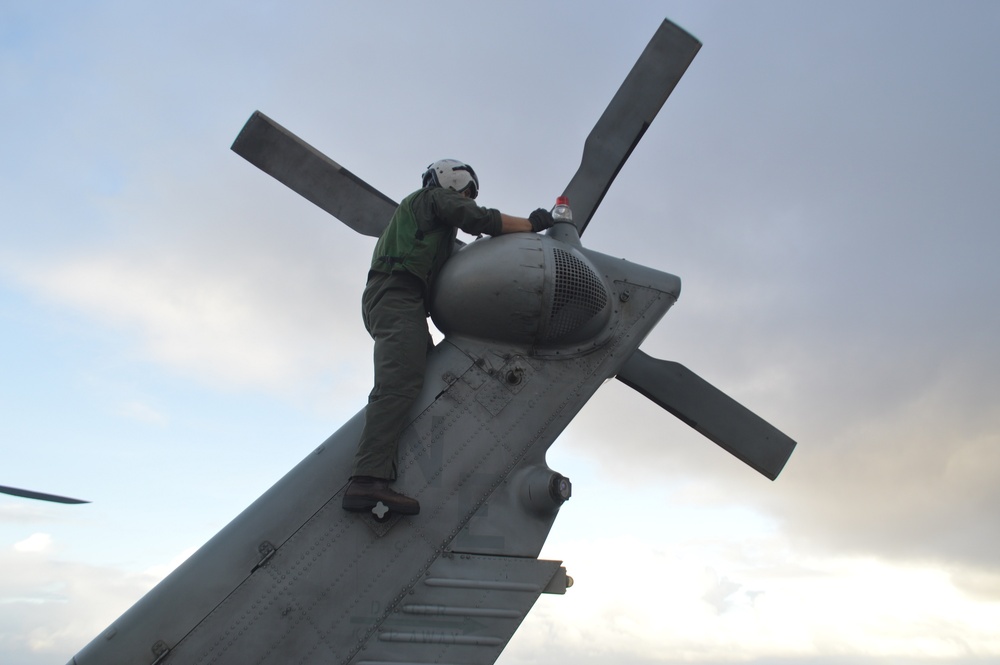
(38,542)
(721,595)
(636,603)
(633,600)
(251,319)
(23,512)
(53,607)
(906,471)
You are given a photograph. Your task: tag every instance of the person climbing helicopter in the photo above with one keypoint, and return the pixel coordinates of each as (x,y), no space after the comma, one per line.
(407,258)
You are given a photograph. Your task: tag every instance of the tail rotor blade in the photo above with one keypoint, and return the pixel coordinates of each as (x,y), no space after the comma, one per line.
(710,411)
(284,156)
(41,496)
(632,109)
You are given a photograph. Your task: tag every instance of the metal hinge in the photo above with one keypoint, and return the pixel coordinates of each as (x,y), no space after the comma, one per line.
(266,550)
(161,651)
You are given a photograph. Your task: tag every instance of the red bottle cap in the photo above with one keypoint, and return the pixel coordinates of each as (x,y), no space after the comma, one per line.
(562,200)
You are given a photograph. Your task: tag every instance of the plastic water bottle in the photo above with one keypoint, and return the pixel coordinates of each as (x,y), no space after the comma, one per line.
(562,212)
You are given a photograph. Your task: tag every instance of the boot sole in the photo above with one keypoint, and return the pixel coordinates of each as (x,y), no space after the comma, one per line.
(358,505)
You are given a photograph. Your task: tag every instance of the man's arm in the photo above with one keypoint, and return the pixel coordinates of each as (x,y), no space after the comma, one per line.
(511,224)
(537,221)
(458,210)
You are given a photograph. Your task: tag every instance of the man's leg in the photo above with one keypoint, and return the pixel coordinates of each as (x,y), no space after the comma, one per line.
(396,319)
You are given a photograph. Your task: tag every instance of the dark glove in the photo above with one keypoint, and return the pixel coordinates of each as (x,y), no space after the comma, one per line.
(540,220)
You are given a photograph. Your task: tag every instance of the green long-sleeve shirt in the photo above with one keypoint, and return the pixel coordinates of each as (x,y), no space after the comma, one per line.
(422,231)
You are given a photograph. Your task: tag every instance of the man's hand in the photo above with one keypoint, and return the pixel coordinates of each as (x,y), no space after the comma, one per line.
(540,220)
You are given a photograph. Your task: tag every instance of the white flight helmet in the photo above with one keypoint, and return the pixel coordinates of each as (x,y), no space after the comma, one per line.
(452,174)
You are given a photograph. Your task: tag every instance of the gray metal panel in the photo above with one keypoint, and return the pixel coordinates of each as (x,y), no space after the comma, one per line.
(335,585)
(464,610)
(208,578)
(525,288)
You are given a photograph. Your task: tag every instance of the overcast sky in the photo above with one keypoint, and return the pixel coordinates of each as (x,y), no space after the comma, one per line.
(177,330)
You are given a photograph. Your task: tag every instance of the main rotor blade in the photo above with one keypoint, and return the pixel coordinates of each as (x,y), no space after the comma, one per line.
(41,496)
(283,155)
(632,109)
(710,411)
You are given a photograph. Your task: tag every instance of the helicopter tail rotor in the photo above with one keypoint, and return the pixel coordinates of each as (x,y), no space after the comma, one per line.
(306,171)
(286,157)
(41,496)
(624,121)
(710,411)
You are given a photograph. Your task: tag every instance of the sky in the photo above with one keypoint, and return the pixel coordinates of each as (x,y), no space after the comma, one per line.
(177,330)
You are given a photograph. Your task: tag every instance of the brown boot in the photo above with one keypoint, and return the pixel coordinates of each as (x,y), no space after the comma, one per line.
(364,494)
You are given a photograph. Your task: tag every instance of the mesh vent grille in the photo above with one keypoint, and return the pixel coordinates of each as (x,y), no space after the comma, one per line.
(579,295)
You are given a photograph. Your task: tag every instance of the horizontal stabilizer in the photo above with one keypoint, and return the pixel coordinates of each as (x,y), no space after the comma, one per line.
(710,411)
(284,156)
(41,496)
